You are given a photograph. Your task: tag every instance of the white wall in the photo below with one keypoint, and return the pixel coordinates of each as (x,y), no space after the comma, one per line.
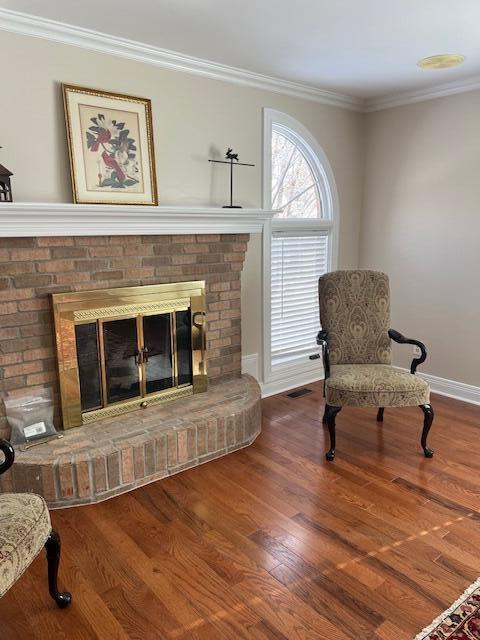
(421,224)
(193,118)
(421,192)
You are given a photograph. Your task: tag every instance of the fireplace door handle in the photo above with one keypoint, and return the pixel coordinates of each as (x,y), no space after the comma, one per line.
(198,319)
(141,356)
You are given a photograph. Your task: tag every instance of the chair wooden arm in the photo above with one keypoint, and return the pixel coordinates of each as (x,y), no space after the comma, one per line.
(322,341)
(9,453)
(398,337)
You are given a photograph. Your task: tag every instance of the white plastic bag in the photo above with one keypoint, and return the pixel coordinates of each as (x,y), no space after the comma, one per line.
(30,417)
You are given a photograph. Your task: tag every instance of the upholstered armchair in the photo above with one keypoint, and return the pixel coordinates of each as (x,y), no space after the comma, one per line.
(356,346)
(25,528)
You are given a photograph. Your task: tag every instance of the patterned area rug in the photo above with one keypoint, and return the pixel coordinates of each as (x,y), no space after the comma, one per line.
(460,622)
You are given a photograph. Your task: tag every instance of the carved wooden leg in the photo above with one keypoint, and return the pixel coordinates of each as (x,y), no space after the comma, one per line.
(330,414)
(380,414)
(427,423)
(52,547)
(324,419)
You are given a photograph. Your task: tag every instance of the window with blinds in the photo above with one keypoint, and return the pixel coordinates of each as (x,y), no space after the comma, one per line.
(297,261)
(300,245)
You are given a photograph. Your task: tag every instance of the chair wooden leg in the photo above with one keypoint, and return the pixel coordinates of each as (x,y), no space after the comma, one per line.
(52,547)
(380,414)
(330,414)
(427,423)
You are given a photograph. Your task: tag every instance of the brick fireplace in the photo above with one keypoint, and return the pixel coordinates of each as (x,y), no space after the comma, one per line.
(31,269)
(114,455)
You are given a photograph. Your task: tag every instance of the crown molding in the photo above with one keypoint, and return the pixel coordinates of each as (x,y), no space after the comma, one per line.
(37,219)
(26,24)
(421,95)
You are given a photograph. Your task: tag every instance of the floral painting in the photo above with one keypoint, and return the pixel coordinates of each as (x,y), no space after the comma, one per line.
(115,148)
(111,147)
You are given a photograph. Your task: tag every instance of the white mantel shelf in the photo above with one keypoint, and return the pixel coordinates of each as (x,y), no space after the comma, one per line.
(30,219)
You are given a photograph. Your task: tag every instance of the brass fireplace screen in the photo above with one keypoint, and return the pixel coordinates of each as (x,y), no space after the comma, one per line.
(121,349)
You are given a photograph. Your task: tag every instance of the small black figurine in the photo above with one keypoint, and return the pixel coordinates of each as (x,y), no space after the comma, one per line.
(230,158)
(5,186)
(230,155)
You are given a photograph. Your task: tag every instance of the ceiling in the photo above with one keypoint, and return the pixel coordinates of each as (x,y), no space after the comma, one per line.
(363,48)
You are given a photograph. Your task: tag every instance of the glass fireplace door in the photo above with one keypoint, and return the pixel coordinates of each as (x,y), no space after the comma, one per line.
(128,358)
(89,373)
(158,352)
(121,379)
(127,348)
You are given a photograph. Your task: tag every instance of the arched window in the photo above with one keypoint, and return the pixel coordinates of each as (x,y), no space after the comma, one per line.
(298,184)
(295,185)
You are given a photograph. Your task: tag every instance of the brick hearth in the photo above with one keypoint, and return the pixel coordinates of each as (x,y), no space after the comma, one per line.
(109,457)
(33,268)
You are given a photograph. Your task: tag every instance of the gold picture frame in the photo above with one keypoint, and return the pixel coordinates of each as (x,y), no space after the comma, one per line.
(110,144)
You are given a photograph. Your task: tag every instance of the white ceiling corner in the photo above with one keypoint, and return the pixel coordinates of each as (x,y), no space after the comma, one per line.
(25,24)
(420,95)
(358,56)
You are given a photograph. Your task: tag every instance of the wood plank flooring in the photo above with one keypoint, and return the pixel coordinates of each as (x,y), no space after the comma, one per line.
(273,542)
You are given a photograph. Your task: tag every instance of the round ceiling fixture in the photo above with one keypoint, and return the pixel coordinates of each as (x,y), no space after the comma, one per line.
(442,61)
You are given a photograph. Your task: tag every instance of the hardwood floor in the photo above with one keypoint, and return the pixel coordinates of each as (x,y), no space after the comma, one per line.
(273,542)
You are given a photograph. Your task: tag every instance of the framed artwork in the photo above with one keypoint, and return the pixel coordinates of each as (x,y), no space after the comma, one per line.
(110,142)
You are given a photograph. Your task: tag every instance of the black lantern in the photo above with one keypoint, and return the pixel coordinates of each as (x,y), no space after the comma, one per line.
(5,186)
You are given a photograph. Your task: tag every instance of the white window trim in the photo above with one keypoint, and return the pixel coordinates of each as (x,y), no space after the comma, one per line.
(291,375)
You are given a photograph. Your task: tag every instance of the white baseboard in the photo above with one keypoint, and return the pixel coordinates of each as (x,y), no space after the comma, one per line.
(289,379)
(452,388)
(281,385)
(284,379)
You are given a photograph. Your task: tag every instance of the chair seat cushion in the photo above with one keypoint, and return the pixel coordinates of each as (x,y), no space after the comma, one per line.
(24,529)
(374,385)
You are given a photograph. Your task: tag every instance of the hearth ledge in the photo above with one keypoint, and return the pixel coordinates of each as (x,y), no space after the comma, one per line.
(99,461)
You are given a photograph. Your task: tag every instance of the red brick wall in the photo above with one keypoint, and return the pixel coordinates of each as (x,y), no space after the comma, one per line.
(33,268)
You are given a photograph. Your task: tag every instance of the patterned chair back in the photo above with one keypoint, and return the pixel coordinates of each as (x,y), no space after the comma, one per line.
(355,310)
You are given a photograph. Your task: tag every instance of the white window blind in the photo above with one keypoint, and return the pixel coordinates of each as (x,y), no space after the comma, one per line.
(297,261)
